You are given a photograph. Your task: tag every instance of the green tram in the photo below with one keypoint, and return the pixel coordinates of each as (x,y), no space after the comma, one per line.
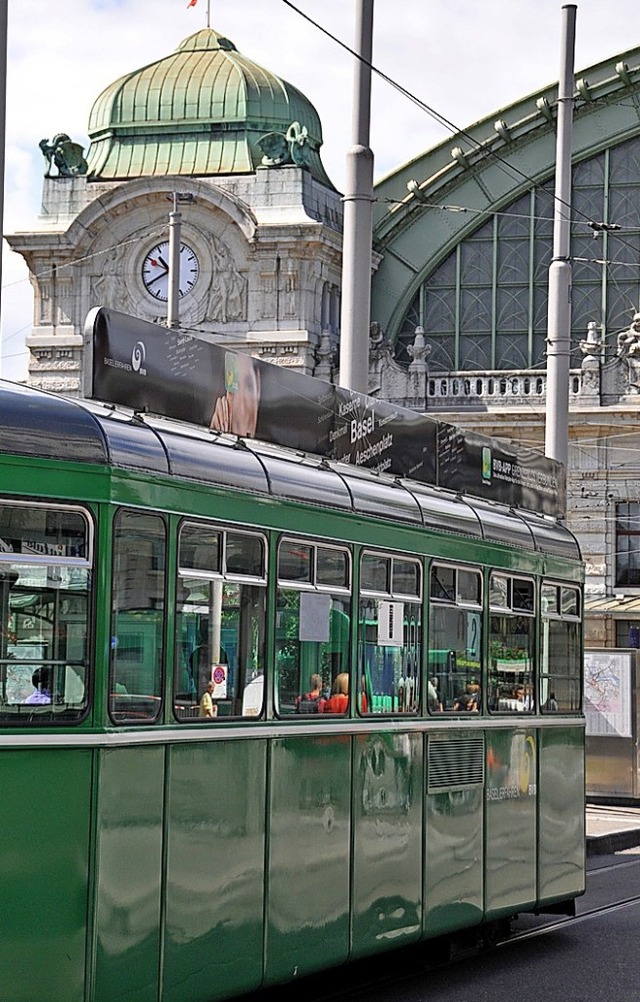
(152,572)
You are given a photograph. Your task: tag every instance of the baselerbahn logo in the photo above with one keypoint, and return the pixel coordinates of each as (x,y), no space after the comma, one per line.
(138,356)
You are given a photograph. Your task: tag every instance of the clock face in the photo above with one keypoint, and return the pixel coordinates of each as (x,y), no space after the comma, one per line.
(155,271)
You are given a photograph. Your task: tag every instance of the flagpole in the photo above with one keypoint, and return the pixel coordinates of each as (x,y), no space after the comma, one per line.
(208,13)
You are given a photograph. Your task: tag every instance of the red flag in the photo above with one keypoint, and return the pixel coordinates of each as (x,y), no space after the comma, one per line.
(191,3)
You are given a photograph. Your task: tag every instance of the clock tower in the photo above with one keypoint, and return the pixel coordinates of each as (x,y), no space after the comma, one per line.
(261,223)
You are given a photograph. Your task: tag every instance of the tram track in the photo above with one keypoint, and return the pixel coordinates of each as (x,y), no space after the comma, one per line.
(554,925)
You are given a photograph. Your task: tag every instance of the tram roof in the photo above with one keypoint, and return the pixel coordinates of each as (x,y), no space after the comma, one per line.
(44,425)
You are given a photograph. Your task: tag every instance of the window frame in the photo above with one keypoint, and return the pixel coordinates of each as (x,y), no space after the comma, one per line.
(157,718)
(183,571)
(561,617)
(511,610)
(310,587)
(47,714)
(415,599)
(465,605)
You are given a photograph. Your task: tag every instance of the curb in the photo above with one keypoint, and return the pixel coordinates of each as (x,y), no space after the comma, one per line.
(603,845)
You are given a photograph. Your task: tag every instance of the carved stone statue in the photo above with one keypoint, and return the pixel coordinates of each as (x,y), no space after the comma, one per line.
(379,346)
(291,147)
(228,289)
(628,351)
(592,348)
(66,155)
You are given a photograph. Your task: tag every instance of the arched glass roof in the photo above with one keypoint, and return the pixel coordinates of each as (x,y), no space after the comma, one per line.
(466,246)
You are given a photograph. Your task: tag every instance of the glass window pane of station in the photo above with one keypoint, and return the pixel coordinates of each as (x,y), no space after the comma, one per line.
(312,652)
(389,648)
(405,579)
(220,650)
(137,617)
(295,561)
(44,615)
(332,567)
(200,548)
(244,555)
(375,573)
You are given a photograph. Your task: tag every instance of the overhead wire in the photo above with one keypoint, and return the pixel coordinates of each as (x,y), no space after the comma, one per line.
(505,165)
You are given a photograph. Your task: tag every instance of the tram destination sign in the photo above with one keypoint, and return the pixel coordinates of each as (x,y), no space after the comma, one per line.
(152,369)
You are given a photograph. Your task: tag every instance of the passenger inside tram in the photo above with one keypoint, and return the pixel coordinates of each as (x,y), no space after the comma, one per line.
(41,683)
(338,701)
(308,702)
(469,700)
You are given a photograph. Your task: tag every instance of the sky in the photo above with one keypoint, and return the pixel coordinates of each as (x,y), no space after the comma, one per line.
(467,59)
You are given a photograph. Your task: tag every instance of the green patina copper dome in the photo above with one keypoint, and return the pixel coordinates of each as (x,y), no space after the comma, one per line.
(201,112)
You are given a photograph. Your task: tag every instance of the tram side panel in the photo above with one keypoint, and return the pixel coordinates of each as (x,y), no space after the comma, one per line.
(129,833)
(453,890)
(45,811)
(511,821)
(387,841)
(308,879)
(561,821)
(213,944)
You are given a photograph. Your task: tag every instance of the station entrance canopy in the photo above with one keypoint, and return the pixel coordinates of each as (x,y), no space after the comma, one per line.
(153,369)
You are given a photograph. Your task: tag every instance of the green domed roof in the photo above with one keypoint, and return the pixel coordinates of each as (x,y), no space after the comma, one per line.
(199,111)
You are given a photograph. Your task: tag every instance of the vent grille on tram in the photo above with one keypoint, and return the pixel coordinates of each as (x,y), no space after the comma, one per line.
(455,762)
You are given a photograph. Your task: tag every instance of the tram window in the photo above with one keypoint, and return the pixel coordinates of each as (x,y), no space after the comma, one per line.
(200,549)
(295,561)
(40,532)
(220,627)
(522,595)
(549,596)
(244,555)
(499,592)
(375,573)
(44,600)
(443,583)
(332,567)
(406,577)
(561,645)
(137,617)
(511,644)
(312,635)
(455,640)
(389,634)
(469,587)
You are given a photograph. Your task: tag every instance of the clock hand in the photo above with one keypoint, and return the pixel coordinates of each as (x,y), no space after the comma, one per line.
(152,280)
(160,261)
